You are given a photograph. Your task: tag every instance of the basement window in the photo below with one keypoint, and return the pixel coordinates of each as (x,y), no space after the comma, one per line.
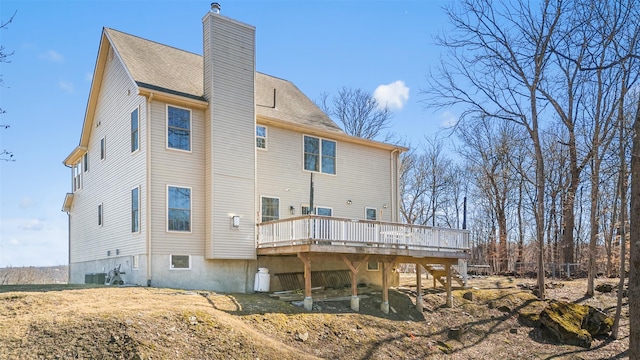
(373,266)
(180,262)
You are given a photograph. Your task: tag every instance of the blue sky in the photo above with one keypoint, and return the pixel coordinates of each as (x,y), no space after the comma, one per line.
(384,47)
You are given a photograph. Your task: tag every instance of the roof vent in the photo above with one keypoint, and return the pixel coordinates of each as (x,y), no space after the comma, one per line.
(215,7)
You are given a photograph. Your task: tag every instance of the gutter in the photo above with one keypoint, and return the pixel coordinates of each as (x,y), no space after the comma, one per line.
(393,173)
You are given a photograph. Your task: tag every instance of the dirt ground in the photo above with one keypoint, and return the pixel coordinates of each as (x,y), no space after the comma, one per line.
(96,322)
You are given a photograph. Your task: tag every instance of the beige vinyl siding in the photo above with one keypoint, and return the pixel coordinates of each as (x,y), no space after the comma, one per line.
(110,181)
(363,175)
(229,77)
(171,167)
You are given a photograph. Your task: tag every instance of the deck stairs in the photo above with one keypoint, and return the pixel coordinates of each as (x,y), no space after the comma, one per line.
(439,273)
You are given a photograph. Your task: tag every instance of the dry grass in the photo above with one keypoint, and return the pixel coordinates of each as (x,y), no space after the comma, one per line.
(56,322)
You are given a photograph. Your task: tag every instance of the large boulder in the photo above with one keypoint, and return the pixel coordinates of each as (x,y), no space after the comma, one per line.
(575,324)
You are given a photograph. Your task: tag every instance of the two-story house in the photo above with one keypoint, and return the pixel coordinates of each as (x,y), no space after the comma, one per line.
(194,171)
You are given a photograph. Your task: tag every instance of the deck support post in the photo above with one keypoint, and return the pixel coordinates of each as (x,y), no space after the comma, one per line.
(354,266)
(308,300)
(449,295)
(419,305)
(386,267)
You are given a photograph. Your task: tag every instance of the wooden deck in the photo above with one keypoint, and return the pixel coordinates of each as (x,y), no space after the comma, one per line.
(319,238)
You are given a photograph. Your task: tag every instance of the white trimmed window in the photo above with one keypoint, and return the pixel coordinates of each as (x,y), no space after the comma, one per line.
(373,266)
(103,148)
(178,209)
(77,176)
(100,215)
(178,128)
(261,137)
(322,211)
(270,208)
(319,155)
(135,262)
(371,213)
(135,134)
(85,161)
(180,262)
(135,210)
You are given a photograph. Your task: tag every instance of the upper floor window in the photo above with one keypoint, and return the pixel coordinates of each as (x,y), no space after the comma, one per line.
(178,209)
(135,209)
(319,155)
(100,215)
(77,176)
(134,131)
(261,137)
(178,128)
(103,148)
(270,208)
(85,161)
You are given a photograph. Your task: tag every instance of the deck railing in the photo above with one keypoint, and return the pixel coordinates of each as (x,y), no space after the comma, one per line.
(324,230)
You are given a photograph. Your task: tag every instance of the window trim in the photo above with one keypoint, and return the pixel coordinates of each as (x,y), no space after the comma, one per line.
(370,268)
(262,213)
(138,211)
(190,210)
(171,267)
(320,156)
(302,206)
(135,262)
(85,162)
(101,214)
(77,173)
(166,128)
(265,137)
(103,148)
(370,208)
(137,131)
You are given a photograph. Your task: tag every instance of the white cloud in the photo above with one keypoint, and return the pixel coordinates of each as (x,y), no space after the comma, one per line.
(53,56)
(66,86)
(26,202)
(393,95)
(448,119)
(32,225)
(14,241)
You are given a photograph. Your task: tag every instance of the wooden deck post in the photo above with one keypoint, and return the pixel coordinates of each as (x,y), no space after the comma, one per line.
(354,267)
(419,305)
(449,295)
(308,300)
(385,286)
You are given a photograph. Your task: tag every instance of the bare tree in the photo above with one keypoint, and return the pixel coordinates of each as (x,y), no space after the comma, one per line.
(501,51)
(634,231)
(5,155)
(359,112)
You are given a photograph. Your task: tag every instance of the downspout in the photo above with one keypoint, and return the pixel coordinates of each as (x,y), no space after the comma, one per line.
(148,187)
(393,173)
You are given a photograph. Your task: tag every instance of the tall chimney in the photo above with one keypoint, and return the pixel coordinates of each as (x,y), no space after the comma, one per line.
(229,87)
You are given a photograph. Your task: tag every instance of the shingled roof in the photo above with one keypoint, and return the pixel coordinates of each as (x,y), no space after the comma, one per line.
(167,69)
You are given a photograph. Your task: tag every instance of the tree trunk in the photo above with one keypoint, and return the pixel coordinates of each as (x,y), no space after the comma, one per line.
(634,252)
(593,219)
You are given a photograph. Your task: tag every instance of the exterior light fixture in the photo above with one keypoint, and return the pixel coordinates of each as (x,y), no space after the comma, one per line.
(349,202)
(385,206)
(235,221)
(292,210)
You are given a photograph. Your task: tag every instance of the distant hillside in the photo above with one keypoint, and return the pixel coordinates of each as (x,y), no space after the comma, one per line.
(34,275)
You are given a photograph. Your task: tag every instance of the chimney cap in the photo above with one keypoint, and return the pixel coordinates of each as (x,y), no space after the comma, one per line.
(215,7)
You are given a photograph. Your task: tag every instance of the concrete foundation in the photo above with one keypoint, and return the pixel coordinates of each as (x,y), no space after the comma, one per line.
(308,303)
(384,307)
(355,303)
